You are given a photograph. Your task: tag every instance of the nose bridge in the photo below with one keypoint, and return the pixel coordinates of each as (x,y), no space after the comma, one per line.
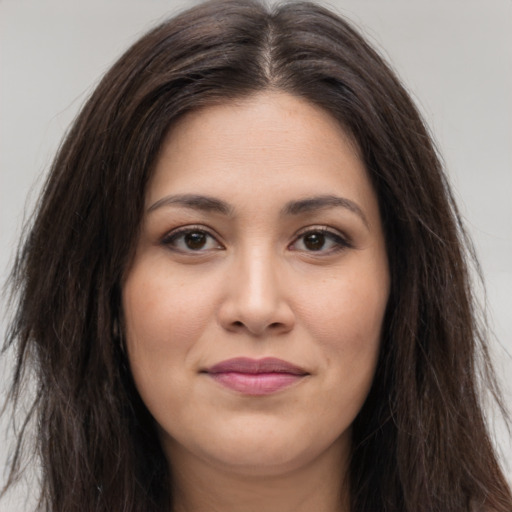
(256,279)
(256,300)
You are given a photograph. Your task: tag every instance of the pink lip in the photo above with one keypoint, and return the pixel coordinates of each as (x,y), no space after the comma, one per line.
(256,376)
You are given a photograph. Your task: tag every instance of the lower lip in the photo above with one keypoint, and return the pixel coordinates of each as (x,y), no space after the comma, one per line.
(256,383)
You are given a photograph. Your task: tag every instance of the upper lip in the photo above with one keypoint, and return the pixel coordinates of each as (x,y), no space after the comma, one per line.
(254,366)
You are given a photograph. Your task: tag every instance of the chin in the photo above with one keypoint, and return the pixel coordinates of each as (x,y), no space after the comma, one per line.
(251,459)
(262,450)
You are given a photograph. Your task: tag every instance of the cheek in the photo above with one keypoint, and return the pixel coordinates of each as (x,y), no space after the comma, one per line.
(165,314)
(162,312)
(344,315)
(347,310)
(164,318)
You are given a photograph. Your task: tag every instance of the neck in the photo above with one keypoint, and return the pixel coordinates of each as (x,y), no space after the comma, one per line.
(320,485)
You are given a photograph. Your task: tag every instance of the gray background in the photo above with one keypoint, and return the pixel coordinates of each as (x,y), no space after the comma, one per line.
(455,56)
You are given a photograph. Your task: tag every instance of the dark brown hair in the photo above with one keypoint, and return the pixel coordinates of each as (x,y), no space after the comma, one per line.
(420,443)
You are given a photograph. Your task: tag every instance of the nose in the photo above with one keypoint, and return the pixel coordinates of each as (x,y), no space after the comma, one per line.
(256,300)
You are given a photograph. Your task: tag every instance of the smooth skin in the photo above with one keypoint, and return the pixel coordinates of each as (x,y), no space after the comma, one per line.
(261,238)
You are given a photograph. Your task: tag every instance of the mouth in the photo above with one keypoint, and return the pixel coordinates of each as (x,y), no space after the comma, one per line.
(256,377)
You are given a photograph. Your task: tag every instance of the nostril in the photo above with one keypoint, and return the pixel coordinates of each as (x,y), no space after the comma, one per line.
(273,326)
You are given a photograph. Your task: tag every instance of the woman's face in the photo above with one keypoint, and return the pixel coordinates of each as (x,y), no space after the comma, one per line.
(261,239)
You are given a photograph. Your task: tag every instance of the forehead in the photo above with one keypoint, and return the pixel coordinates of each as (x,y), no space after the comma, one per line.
(268,146)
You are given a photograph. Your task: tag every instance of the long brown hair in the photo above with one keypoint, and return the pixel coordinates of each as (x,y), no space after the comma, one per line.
(420,443)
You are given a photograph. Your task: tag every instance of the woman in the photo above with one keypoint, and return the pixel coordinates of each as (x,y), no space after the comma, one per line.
(245,285)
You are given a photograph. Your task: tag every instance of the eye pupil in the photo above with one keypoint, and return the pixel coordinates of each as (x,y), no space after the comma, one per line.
(314,241)
(195,240)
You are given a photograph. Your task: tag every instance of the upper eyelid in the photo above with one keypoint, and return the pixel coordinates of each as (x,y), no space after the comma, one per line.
(191,228)
(344,241)
(200,227)
(322,229)
(183,230)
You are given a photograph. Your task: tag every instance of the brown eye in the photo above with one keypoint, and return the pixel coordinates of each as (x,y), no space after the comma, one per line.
(191,240)
(195,240)
(314,241)
(321,240)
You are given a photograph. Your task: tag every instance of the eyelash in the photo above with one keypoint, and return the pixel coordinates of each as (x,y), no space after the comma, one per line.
(340,242)
(173,236)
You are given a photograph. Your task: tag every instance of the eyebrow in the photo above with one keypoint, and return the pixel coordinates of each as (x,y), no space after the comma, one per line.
(195,202)
(323,202)
(297,207)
